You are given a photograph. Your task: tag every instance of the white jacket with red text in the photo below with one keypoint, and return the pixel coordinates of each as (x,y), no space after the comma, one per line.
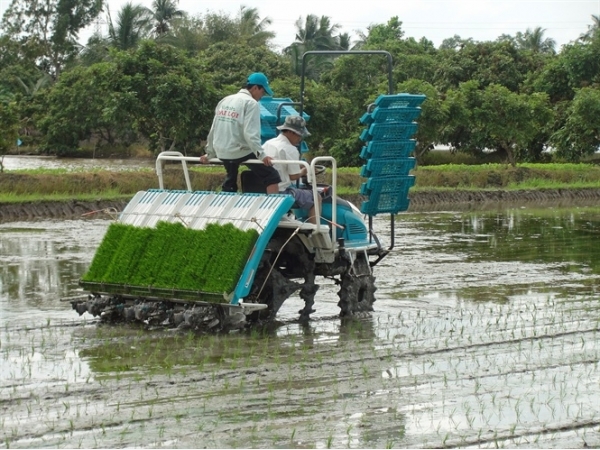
(235,131)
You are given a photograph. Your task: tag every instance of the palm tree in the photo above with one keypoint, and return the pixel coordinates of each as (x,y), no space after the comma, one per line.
(593,29)
(162,13)
(253,28)
(188,34)
(314,34)
(95,50)
(31,88)
(132,25)
(534,41)
(344,41)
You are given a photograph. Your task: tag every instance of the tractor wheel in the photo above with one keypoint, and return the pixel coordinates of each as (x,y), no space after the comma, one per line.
(357,292)
(273,293)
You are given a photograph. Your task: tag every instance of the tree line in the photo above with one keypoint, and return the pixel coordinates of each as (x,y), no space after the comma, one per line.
(156,75)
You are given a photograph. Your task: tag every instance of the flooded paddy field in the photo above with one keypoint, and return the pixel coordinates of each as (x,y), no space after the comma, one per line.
(486,333)
(25,162)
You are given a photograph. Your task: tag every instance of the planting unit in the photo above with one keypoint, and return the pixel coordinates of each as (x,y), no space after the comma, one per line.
(217,261)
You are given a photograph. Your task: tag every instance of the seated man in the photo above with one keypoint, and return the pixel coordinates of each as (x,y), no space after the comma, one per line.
(284,147)
(234,136)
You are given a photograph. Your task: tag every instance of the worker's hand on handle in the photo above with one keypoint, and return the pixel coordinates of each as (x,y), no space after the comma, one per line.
(204,159)
(267,161)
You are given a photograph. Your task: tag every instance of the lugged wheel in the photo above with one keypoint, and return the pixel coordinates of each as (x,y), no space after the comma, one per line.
(287,260)
(357,292)
(273,293)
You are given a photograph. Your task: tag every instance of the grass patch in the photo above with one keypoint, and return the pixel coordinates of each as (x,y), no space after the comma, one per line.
(58,184)
(501,176)
(7,197)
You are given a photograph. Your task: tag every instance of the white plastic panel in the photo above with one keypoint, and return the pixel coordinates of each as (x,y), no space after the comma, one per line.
(198,209)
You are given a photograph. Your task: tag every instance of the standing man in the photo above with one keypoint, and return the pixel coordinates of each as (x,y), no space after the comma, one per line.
(285,147)
(234,136)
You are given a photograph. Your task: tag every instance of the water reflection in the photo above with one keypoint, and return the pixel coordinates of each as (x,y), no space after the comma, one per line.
(41,262)
(565,236)
(416,372)
(17,162)
(444,258)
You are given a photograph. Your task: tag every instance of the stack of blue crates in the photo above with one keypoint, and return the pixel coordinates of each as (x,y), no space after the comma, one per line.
(388,146)
(268,117)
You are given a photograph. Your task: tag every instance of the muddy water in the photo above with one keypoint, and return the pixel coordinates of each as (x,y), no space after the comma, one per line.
(18,162)
(486,334)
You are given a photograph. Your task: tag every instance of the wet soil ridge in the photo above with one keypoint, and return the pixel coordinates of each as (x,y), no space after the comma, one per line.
(71,209)
(419,200)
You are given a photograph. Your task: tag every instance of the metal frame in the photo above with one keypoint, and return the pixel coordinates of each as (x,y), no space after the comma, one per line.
(390,92)
(310,172)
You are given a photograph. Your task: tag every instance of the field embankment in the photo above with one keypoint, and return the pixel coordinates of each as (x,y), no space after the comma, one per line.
(61,194)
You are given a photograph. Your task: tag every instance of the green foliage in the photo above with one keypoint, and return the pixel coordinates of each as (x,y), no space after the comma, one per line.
(88,102)
(580,135)
(577,66)
(162,73)
(534,41)
(333,121)
(380,34)
(163,12)
(17,68)
(230,65)
(484,62)
(512,121)
(155,90)
(433,115)
(9,125)
(314,34)
(346,151)
(130,28)
(494,118)
(172,256)
(48,30)
(173,99)
(412,59)
(360,78)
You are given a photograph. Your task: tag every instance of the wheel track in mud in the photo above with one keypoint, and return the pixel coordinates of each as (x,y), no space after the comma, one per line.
(349,369)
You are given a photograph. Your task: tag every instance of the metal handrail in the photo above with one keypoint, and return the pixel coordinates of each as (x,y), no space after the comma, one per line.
(310,175)
(280,106)
(340,53)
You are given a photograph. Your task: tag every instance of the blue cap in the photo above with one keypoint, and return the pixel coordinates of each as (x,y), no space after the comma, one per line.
(260,79)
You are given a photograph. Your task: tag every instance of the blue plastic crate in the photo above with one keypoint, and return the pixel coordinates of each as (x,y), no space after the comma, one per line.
(386,194)
(387,167)
(388,149)
(268,118)
(380,115)
(377,185)
(267,132)
(400,100)
(387,203)
(388,131)
(269,106)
